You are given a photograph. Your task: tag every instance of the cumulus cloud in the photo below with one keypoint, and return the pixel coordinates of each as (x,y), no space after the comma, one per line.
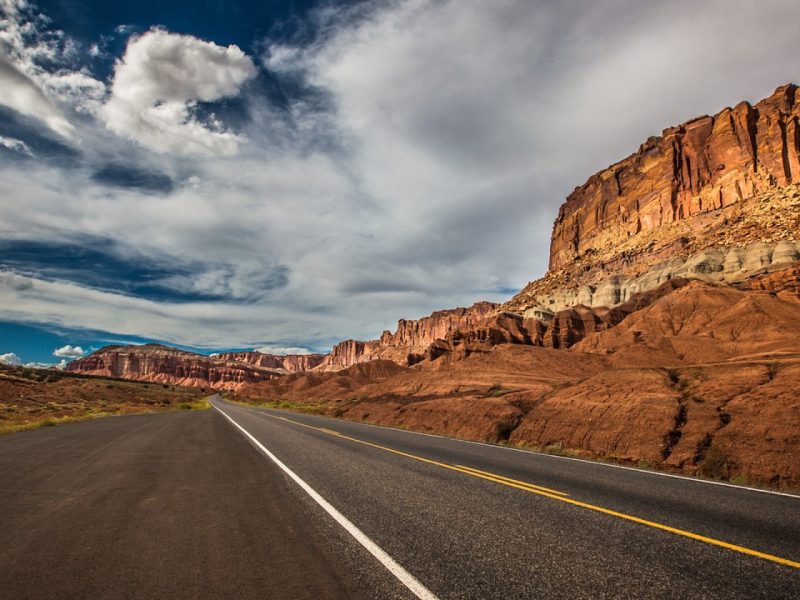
(9,358)
(158,82)
(69,351)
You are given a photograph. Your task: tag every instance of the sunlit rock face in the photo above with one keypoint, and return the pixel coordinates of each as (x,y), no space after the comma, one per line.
(700,166)
(170,366)
(290,363)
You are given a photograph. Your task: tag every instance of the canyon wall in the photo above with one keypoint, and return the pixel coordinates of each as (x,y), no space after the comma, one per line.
(700,166)
(291,363)
(170,366)
(411,340)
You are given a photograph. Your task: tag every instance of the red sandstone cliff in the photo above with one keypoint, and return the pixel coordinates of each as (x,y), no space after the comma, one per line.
(162,364)
(702,165)
(412,339)
(291,363)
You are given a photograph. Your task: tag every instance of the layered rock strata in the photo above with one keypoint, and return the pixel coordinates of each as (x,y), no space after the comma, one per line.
(703,165)
(408,344)
(289,363)
(170,366)
(728,245)
(724,265)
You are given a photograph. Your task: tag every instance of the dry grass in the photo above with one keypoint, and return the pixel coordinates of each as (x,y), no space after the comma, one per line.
(35,398)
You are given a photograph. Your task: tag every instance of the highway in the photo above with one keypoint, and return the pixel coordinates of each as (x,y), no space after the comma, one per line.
(249,502)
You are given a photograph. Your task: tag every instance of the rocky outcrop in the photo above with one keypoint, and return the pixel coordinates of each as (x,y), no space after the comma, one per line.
(729,245)
(725,265)
(289,363)
(170,366)
(561,329)
(700,166)
(408,344)
(784,284)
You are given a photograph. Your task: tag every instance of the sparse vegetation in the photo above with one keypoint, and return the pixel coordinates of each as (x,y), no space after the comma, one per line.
(716,464)
(199,405)
(304,407)
(557,449)
(34,398)
(496,390)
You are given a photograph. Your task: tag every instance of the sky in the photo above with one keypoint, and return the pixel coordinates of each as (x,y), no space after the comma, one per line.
(283,175)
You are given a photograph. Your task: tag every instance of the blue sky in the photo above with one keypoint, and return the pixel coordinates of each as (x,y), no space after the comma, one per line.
(284,175)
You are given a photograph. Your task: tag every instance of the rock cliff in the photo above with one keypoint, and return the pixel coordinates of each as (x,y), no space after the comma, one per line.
(408,344)
(171,366)
(733,215)
(290,363)
(703,165)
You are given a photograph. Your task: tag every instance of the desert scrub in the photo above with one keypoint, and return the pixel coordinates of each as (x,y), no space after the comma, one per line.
(305,407)
(203,404)
(716,464)
(496,390)
(46,422)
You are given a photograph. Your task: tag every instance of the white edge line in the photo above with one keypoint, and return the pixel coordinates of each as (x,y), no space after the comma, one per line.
(535,453)
(406,578)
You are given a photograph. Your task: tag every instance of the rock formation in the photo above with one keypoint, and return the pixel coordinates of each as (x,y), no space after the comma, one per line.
(408,344)
(703,165)
(716,199)
(290,363)
(727,246)
(171,366)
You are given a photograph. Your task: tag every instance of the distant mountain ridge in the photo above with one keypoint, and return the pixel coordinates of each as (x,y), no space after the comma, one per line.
(171,366)
(291,363)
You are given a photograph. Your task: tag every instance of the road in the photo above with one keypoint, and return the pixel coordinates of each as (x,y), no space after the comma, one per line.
(247,502)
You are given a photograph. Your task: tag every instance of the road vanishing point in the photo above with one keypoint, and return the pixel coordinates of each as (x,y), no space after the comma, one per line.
(245,502)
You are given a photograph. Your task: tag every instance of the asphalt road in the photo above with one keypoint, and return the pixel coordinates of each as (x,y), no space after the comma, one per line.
(280,505)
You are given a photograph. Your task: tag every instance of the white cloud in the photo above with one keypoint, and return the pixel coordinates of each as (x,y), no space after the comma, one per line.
(69,351)
(38,365)
(9,358)
(158,82)
(22,94)
(27,42)
(77,88)
(281,350)
(15,145)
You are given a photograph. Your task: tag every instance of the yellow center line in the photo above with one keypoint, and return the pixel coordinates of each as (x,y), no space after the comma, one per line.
(522,485)
(505,479)
(556,495)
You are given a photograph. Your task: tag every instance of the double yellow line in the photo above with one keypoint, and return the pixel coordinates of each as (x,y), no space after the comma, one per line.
(553,494)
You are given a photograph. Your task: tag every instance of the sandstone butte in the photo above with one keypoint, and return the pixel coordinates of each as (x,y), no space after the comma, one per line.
(664,333)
